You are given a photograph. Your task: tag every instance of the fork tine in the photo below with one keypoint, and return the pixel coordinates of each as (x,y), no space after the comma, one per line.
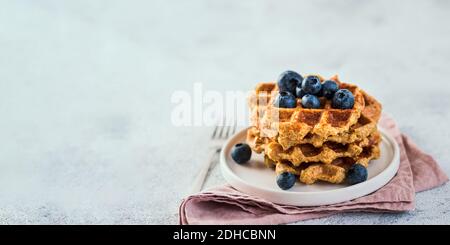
(216,129)
(227,131)
(221,132)
(227,134)
(234,126)
(222,127)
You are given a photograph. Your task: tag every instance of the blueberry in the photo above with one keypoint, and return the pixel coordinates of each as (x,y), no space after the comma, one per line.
(241,153)
(343,99)
(329,87)
(299,92)
(286,180)
(320,93)
(311,85)
(356,174)
(310,101)
(285,100)
(288,80)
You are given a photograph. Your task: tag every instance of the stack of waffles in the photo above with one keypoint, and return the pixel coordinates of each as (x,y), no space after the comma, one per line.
(314,144)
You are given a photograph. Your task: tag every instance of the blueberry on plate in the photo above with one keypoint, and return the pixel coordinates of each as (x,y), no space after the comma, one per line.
(310,101)
(329,88)
(285,100)
(288,80)
(311,85)
(356,174)
(343,99)
(286,180)
(299,92)
(241,153)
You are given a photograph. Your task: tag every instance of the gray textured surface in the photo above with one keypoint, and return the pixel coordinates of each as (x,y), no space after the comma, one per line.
(85,94)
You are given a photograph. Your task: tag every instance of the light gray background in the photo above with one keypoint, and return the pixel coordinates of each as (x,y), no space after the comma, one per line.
(85,88)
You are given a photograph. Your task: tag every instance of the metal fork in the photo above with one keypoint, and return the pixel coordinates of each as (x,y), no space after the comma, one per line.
(218,137)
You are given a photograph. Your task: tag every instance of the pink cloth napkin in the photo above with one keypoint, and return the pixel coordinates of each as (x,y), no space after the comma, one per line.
(418,171)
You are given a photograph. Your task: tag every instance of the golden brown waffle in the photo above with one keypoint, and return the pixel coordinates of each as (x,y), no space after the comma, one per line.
(307,152)
(327,153)
(335,172)
(314,144)
(314,172)
(332,169)
(292,126)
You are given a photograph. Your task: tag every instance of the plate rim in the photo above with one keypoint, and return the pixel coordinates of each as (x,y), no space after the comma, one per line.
(379,180)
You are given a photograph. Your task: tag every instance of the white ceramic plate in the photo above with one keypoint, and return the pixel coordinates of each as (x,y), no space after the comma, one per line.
(254,178)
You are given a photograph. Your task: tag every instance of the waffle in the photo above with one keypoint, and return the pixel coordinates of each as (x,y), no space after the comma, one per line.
(335,172)
(314,144)
(307,152)
(325,172)
(292,126)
